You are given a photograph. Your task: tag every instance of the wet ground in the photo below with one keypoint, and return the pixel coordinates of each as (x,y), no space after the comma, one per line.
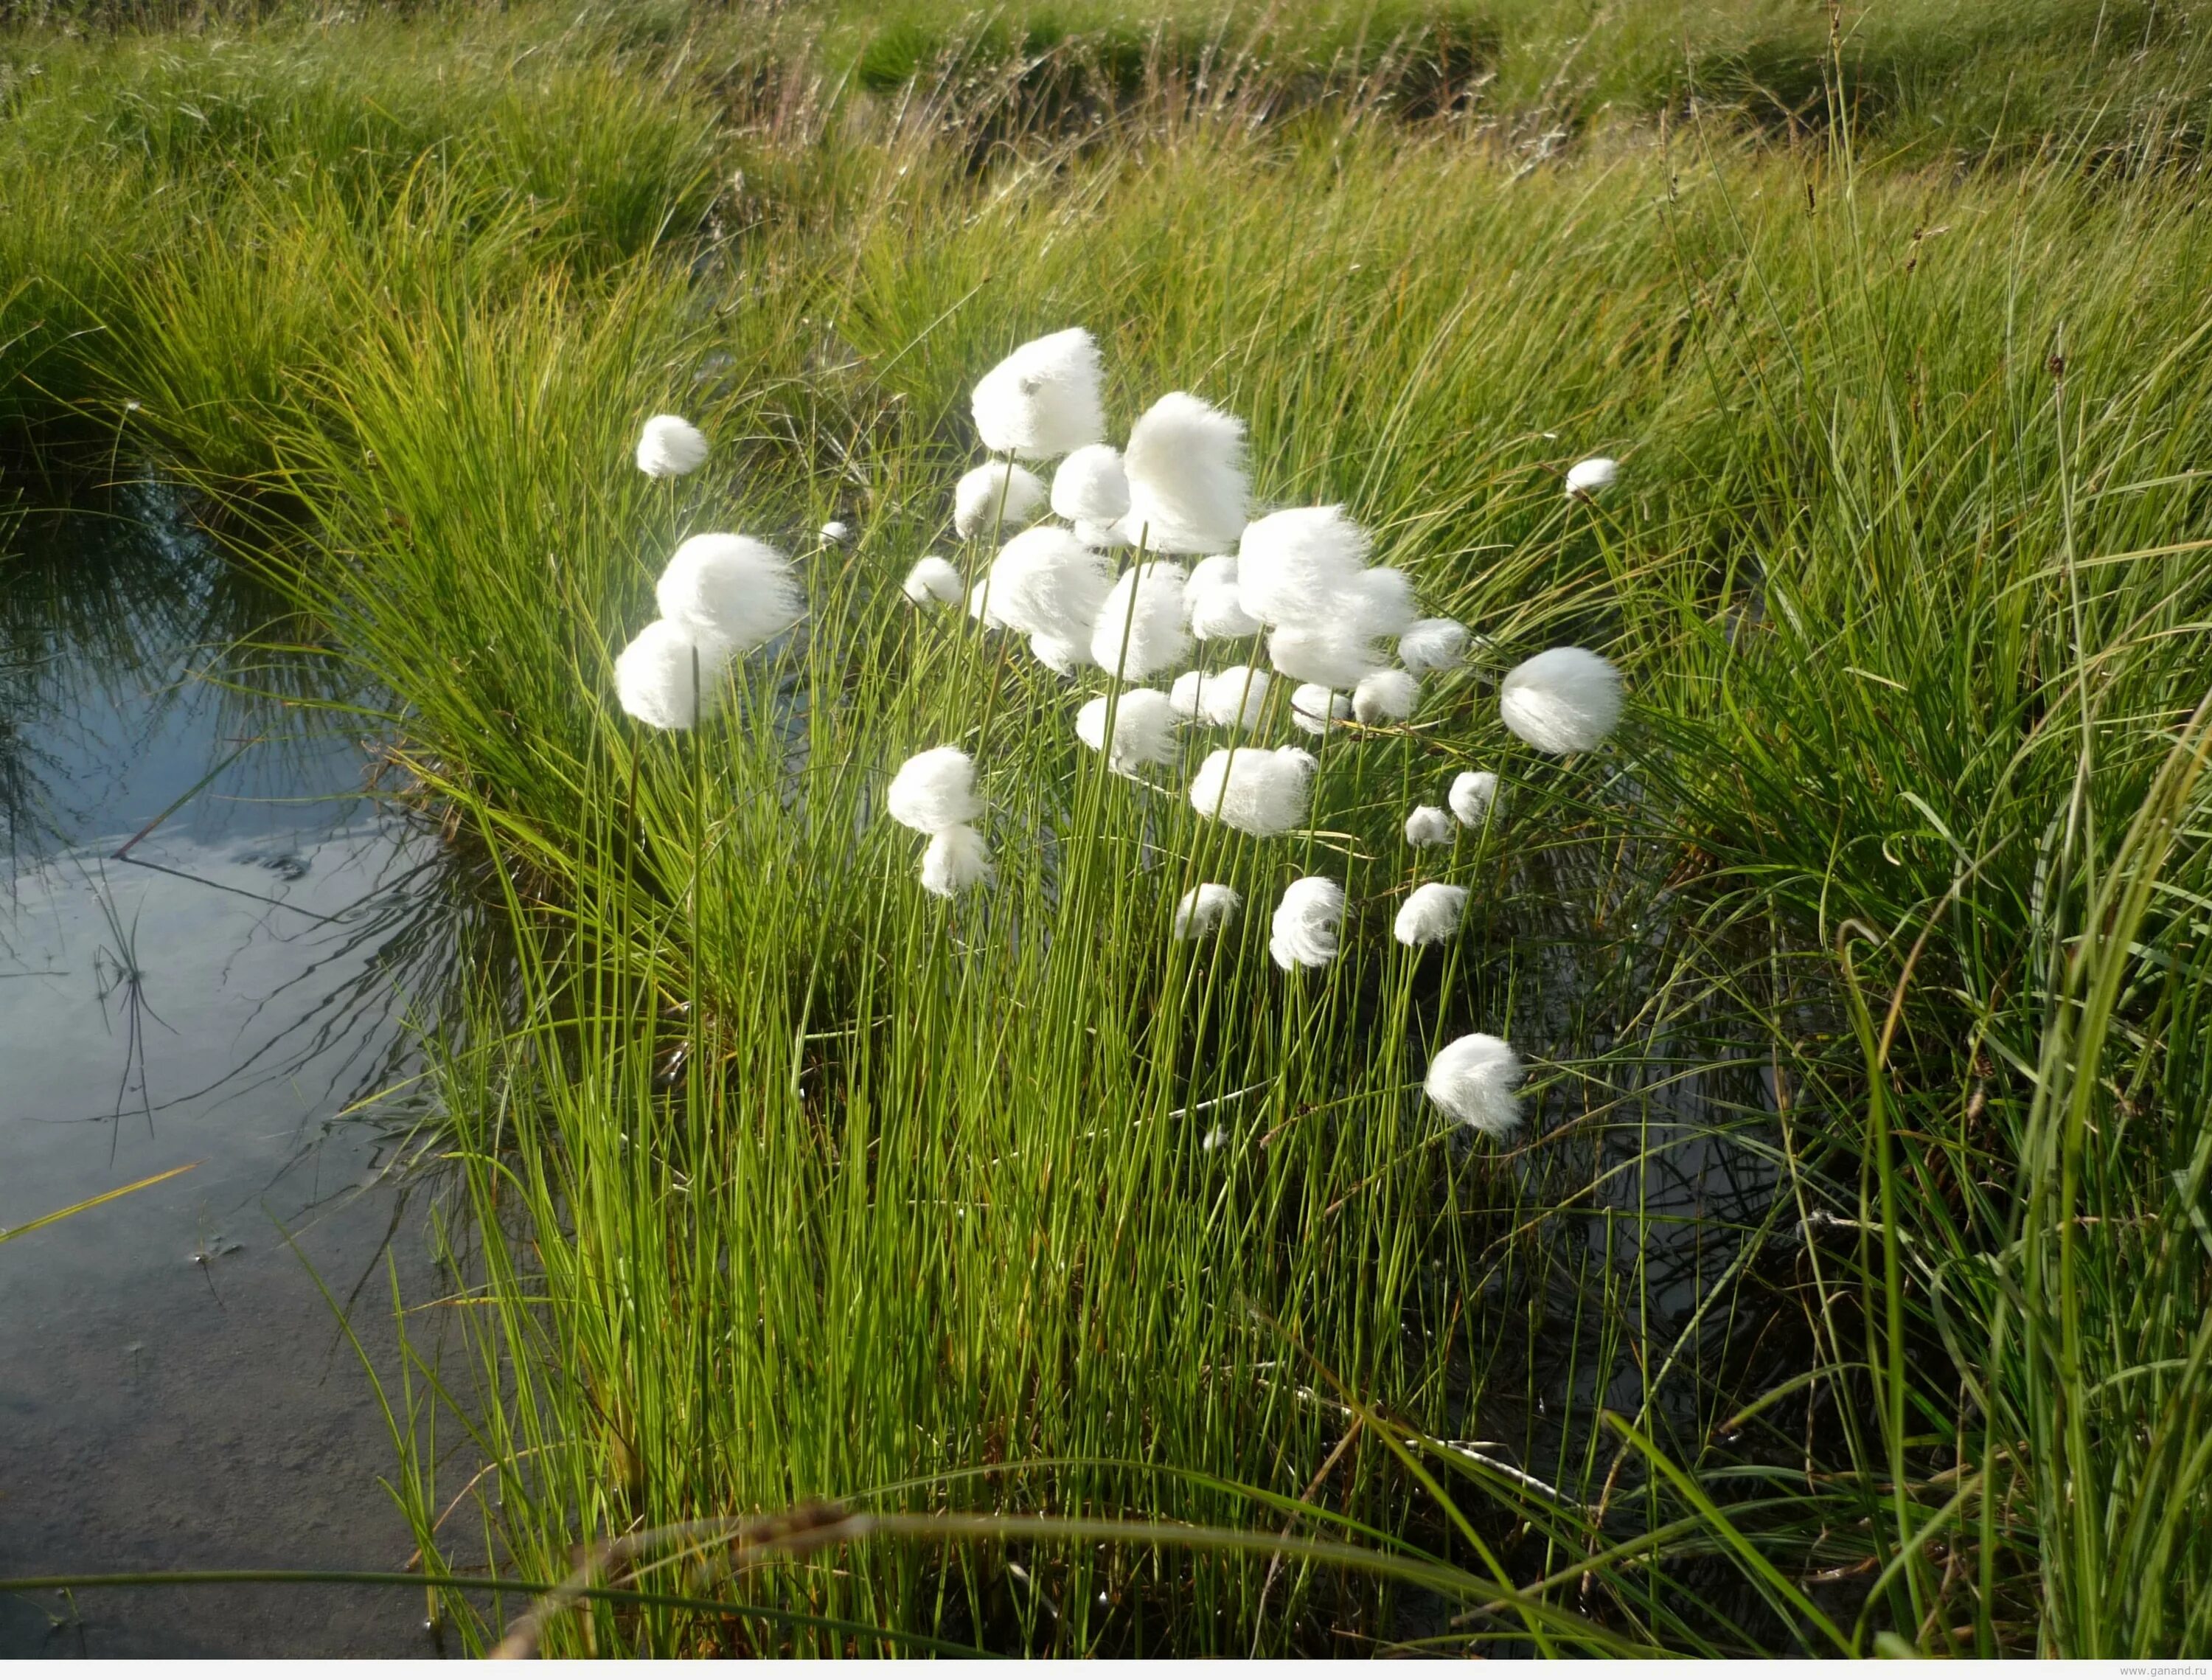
(177,1390)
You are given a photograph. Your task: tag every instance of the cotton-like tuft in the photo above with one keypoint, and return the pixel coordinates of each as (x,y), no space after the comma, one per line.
(1217,612)
(1563,700)
(1043,400)
(837,533)
(1428,826)
(1386,697)
(1046,583)
(1090,488)
(670,446)
(1140,628)
(934,582)
(1308,925)
(1065,657)
(1188,693)
(1092,534)
(731,589)
(654,676)
(955,859)
(1431,913)
(1203,908)
(1432,644)
(1472,793)
(1324,654)
(1586,479)
(981,607)
(1234,698)
(1143,729)
(1377,602)
(934,790)
(1254,790)
(1473,1080)
(975,509)
(1313,708)
(1293,567)
(1187,483)
(1214,569)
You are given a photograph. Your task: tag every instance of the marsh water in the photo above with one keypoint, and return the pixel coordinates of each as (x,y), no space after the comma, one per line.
(215,945)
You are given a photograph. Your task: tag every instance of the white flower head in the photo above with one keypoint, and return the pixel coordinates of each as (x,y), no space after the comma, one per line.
(977,503)
(1213,569)
(1044,583)
(1143,729)
(1428,826)
(1056,653)
(1217,611)
(731,589)
(1234,698)
(1204,908)
(670,446)
(1140,628)
(1090,488)
(1293,566)
(1093,534)
(1254,790)
(981,607)
(1432,644)
(934,582)
(1386,697)
(1431,913)
(837,533)
(934,790)
(1377,602)
(1587,477)
(1188,489)
(1309,924)
(1313,708)
(671,677)
(1043,400)
(1563,700)
(1329,655)
(1472,793)
(1188,693)
(1473,1080)
(955,859)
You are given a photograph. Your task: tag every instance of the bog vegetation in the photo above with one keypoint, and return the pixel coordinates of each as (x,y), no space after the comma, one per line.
(1847,1283)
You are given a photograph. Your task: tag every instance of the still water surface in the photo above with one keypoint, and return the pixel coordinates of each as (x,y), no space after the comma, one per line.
(176,1392)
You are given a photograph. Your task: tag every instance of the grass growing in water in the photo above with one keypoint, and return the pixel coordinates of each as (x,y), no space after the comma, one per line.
(1862,979)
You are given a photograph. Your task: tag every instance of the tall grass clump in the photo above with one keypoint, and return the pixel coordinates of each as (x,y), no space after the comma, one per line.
(1693,1145)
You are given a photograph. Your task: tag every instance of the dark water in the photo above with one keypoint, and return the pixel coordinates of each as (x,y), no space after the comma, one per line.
(175,1389)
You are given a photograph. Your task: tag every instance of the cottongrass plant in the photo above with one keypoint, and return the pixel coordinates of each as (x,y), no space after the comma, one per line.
(1308,929)
(671,446)
(1474,1079)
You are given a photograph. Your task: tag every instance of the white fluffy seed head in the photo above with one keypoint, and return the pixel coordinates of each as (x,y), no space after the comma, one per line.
(1143,729)
(731,589)
(1090,488)
(1254,790)
(1046,583)
(1293,566)
(1187,693)
(656,679)
(1428,826)
(975,499)
(955,859)
(1326,655)
(1140,628)
(1188,489)
(1217,612)
(1472,793)
(934,582)
(934,790)
(1377,602)
(670,446)
(981,607)
(837,533)
(1043,400)
(1054,654)
(1386,697)
(1432,644)
(1204,908)
(1588,478)
(1308,925)
(1234,698)
(1473,1080)
(1093,534)
(1313,708)
(1563,700)
(1431,913)
(1214,569)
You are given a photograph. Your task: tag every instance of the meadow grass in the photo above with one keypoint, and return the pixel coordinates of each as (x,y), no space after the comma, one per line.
(1848,1284)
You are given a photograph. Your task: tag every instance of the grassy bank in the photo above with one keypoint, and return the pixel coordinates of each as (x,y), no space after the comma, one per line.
(1861,977)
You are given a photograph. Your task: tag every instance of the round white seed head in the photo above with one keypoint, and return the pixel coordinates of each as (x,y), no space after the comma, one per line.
(1308,924)
(1473,1080)
(934,790)
(1426,826)
(1430,913)
(670,446)
(1563,700)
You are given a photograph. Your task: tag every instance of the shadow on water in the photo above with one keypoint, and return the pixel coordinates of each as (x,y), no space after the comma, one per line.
(215,943)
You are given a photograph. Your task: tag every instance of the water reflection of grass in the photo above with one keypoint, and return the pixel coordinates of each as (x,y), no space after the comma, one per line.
(1862,983)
